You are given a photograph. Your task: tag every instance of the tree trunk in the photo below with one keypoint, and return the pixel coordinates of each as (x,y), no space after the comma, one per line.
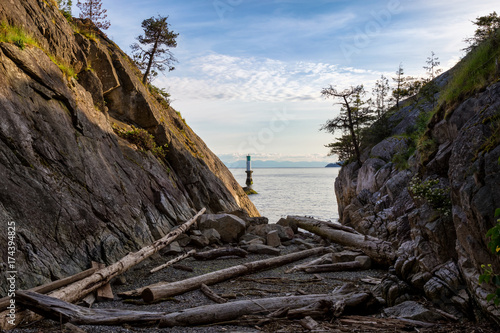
(157,292)
(150,63)
(48,287)
(337,267)
(209,314)
(223,252)
(379,251)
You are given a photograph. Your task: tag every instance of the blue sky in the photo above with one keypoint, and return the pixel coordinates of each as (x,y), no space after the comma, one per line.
(250,72)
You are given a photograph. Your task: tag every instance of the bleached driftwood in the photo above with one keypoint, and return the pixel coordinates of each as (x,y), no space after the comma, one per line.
(209,314)
(157,292)
(378,250)
(173,261)
(222,252)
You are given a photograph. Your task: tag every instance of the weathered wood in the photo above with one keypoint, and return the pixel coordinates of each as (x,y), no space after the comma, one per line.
(80,289)
(222,252)
(308,323)
(336,267)
(56,309)
(105,292)
(378,250)
(173,261)
(155,293)
(211,294)
(326,259)
(48,287)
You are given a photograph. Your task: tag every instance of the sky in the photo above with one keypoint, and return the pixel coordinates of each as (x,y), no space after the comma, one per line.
(250,72)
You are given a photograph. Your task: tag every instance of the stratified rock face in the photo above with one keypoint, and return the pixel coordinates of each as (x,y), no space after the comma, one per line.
(440,251)
(75,191)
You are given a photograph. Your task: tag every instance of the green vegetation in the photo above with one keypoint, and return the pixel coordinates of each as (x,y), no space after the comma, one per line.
(16,35)
(489,276)
(476,71)
(155,54)
(143,140)
(429,190)
(161,95)
(65,8)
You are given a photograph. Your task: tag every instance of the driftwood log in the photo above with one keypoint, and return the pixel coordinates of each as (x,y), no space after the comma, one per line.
(80,289)
(378,250)
(336,267)
(326,259)
(48,287)
(157,292)
(56,309)
(223,252)
(173,261)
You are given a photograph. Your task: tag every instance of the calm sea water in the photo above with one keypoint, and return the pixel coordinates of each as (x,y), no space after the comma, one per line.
(293,191)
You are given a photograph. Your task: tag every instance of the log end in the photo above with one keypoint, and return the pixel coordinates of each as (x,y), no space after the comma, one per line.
(147,295)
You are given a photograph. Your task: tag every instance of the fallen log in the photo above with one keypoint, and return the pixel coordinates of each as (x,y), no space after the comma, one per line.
(48,287)
(173,261)
(378,250)
(326,259)
(80,289)
(223,252)
(337,267)
(155,293)
(59,310)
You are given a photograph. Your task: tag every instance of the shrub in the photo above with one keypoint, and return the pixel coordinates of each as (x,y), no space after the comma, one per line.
(143,140)
(437,197)
(489,276)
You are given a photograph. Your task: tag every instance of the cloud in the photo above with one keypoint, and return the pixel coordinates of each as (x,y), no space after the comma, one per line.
(214,76)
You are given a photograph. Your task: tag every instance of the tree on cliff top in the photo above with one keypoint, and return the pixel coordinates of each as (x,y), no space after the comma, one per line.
(353,117)
(486,27)
(157,40)
(92,9)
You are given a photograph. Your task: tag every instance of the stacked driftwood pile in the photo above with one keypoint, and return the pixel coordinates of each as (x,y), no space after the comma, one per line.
(217,236)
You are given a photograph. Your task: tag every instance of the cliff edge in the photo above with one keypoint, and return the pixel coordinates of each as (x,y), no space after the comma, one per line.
(74,189)
(434,195)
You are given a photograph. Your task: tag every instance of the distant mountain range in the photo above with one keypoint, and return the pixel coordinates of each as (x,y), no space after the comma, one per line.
(279,164)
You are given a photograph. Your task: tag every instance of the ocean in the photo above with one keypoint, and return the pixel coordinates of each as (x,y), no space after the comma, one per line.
(293,191)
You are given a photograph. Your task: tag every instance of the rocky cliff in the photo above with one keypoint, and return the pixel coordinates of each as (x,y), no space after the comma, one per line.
(74,189)
(434,205)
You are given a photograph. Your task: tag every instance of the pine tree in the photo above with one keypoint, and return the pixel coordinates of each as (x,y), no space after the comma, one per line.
(92,10)
(157,55)
(354,116)
(486,27)
(380,92)
(397,93)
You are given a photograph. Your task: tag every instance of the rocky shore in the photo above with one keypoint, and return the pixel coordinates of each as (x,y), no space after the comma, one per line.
(260,240)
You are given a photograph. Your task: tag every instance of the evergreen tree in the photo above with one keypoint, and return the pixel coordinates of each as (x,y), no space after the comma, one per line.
(65,7)
(486,27)
(397,93)
(92,10)
(354,116)
(157,39)
(430,88)
(380,92)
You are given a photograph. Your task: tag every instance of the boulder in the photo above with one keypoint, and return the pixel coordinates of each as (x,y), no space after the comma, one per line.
(414,311)
(199,241)
(285,233)
(273,239)
(230,227)
(387,148)
(212,235)
(172,248)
